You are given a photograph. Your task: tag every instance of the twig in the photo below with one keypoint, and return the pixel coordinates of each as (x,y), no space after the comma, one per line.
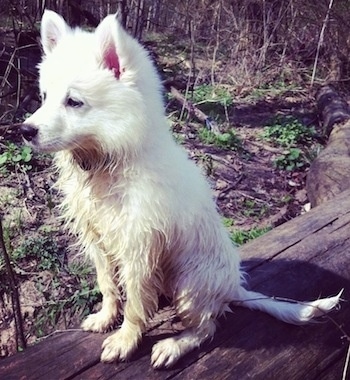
(10,126)
(346,365)
(19,83)
(320,41)
(217,42)
(192,71)
(20,338)
(56,332)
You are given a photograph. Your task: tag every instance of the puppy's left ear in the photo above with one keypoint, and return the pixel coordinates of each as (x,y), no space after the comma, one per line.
(53,28)
(115,45)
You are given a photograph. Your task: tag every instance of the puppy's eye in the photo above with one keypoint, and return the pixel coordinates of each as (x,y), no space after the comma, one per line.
(70,102)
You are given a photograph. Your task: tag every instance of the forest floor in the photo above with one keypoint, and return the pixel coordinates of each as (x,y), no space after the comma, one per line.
(256,165)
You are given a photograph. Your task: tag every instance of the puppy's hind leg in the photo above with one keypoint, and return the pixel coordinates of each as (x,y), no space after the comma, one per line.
(197,316)
(106,317)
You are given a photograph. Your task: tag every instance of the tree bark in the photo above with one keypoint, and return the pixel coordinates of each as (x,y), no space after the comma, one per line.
(329,174)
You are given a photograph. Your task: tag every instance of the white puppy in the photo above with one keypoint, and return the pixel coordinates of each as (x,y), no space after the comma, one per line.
(142,210)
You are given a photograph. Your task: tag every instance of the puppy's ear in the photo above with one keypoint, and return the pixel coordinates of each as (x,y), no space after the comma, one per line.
(105,33)
(117,47)
(53,28)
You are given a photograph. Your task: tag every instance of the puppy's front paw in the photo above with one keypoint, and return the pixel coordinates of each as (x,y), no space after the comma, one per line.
(119,346)
(99,322)
(165,353)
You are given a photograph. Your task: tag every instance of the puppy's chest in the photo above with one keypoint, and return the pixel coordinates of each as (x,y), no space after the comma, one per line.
(94,218)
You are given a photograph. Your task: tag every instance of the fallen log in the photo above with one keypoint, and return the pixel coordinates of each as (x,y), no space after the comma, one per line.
(329,173)
(332,108)
(195,111)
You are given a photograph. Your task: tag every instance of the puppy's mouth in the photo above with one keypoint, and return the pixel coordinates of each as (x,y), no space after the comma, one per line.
(87,153)
(30,134)
(52,146)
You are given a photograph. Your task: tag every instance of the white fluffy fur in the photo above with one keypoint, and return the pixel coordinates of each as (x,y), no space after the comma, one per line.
(142,210)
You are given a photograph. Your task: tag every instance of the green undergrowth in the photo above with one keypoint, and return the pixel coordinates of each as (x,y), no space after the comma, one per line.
(299,142)
(65,290)
(226,140)
(240,237)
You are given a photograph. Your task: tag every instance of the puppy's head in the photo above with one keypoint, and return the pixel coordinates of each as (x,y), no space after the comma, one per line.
(95,91)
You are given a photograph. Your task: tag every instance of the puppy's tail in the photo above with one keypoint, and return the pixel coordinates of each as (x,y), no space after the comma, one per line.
(289,311)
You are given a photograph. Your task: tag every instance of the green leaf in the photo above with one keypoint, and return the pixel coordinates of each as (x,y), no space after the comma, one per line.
(17,157)
(27,153)
(3,158)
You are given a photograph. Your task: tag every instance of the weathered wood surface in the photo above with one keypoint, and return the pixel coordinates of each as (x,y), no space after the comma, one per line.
(303,259)
(329,173)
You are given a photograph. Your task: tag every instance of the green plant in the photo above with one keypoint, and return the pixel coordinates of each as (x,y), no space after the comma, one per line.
(77,302)
(206,93)
(228,222)
(292,160)
(68,295)
(288,131)
(14,155)
(251,208)
(241,237)
(43,249)
(80,269)
(226,140)
(83,300)
(274,89)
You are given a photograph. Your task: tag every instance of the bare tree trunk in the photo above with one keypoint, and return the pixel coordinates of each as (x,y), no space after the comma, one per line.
(123,12)
(138,18)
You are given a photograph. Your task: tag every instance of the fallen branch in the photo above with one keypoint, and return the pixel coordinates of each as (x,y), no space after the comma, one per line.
(193,110)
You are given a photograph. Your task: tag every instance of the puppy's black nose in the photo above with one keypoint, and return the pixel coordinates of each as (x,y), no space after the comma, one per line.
(28,131)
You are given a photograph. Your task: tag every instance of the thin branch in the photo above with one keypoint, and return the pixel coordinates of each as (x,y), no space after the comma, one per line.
(346,365)
(20,338)
(192,70)
(218,10)
(10,126)
(320,41)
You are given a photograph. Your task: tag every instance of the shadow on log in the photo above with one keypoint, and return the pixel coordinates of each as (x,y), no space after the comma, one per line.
(329,174)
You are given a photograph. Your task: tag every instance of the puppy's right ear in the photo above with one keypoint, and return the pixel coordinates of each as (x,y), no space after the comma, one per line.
(53,28)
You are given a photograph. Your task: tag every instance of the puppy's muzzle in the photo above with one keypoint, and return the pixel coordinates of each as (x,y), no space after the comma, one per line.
(28,131)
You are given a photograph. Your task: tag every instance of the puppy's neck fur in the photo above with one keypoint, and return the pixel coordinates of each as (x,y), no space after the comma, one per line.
(93,159)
